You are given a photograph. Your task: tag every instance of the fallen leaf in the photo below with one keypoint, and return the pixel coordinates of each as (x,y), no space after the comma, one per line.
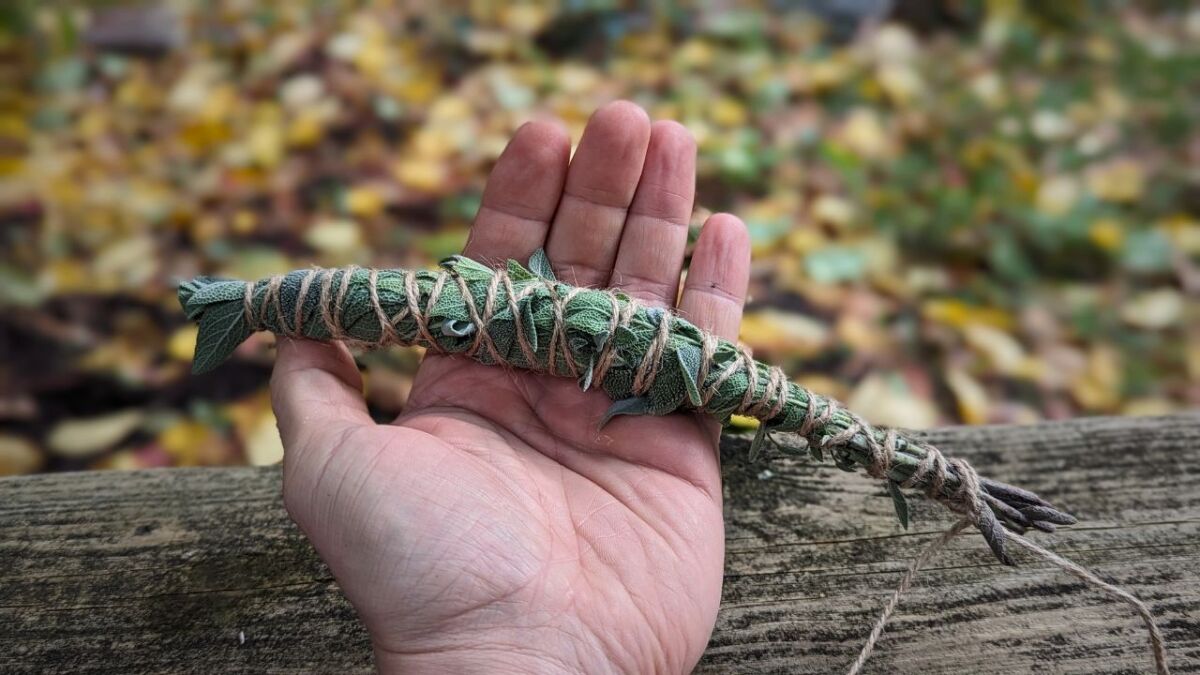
(884,399)
(784,333)
(1120,181)
(1154,310)
(263,444)
(182,344)
(1003,352)
(18,456)
(337,237)
(82,437)
(969,394)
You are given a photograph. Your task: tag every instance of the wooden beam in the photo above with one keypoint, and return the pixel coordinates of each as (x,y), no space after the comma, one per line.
(201,570)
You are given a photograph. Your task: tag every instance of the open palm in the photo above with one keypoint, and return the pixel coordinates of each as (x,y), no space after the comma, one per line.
(494,526)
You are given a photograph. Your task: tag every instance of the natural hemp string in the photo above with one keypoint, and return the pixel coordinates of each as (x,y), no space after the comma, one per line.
(648,360)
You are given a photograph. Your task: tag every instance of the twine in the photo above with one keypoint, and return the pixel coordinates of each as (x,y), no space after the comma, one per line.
(968,500)
(1158,646)
(932,474)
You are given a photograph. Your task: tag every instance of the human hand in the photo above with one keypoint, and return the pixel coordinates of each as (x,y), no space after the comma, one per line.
(493,526)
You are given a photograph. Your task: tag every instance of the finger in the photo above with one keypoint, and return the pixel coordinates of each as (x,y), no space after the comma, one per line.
(315,390)
(715,290)
(655,235)
(600,186)
(521,195)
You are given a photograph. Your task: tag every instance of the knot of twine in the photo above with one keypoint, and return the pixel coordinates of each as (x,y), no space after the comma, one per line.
(932,473)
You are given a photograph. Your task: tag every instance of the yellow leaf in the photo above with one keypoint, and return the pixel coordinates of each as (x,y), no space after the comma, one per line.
(885,399)
(305,130)
(244,221)
(1057,195)
(372,57)
(422,174)
(263,444)
(823,385)
(1121,181)
(901,83)
(1002,350)
(18,456)
(805,239)
(364,202)
(959,314)
(524,19)
(265,143)
(1149,407)
(1098,387)
(335,236)
(728,112)
(126,263)
(182,344)
(827,74)
(833,210)
(255,424)
(82,437)
(784,333)
(863,133)
(1154,310)
(695,53)
(1183,231)
(1192,357)
(184,439)
(68,275)
(971,397)
(1106,233)
(420,88)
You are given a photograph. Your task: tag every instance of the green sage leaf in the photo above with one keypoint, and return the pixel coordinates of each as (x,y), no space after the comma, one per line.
(219,291)
(539,264)
(222,329)
(517,272)
(628,406)
(756,445)
(689,358)
(900,502)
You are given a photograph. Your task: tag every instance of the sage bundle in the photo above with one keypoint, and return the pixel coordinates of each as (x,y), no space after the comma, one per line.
(648,360)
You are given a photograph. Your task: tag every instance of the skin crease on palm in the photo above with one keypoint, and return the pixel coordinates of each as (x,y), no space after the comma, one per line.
(494,526)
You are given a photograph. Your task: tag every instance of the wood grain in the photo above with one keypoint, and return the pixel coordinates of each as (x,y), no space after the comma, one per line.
(200,570)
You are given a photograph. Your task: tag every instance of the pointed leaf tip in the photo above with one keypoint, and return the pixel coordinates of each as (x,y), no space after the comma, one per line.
(636,405)
(756,445)
(539,264)
(689,364)
(517,271)
(900,502)
(222,328)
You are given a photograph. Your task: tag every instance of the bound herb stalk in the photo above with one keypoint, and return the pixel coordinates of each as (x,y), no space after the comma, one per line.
(648,361)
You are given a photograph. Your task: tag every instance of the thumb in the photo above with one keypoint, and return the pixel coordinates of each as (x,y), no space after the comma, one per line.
(316,391)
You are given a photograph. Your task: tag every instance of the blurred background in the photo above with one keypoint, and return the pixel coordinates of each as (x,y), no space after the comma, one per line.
(962,212)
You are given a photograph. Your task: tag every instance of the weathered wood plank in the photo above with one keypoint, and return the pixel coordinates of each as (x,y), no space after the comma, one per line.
(201,571)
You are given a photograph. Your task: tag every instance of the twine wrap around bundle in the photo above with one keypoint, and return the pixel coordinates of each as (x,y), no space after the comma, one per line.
(648,360)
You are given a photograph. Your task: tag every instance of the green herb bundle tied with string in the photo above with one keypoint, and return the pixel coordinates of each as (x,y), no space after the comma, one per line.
(648,361)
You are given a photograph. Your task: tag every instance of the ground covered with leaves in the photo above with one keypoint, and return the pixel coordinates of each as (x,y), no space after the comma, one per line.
(994,218)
